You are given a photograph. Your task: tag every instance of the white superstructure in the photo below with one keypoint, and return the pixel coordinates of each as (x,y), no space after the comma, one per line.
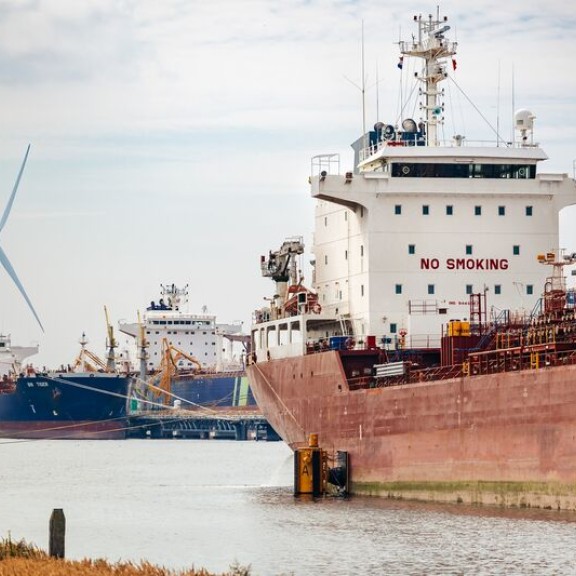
(197,335)
(12,357)
(404,238)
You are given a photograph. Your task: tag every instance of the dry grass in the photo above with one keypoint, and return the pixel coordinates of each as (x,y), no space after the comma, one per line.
(23,559)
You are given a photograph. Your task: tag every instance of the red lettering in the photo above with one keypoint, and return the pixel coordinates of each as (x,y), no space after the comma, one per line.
(465,264)
(427,263)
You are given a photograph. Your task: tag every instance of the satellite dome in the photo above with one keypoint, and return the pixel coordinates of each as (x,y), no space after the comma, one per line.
(524,119)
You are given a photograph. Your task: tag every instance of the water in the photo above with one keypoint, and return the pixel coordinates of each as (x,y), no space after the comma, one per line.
(207,503)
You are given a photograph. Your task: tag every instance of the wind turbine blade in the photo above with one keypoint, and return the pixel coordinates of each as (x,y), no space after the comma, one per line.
(13,195)
(8,267)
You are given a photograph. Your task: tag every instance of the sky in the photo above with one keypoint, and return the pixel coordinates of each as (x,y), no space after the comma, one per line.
(171,141)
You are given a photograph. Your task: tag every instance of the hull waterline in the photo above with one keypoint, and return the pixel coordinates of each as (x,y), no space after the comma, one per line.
(498,439)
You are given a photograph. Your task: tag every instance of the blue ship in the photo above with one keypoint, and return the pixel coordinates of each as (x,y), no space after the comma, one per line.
(64,406)
(188,359)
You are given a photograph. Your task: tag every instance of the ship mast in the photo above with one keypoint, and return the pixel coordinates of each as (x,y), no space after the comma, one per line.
(432,46)
(142,352)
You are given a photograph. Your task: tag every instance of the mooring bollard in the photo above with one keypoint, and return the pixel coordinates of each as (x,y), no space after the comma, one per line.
(57,533)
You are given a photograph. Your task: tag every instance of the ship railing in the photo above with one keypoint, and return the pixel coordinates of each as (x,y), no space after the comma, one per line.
(421,341)
(370,342)
(522,358)
(405,376)
(324,164)
(480,363)
(416,140)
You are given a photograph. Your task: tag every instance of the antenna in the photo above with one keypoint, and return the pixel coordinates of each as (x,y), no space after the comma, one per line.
(513,137)
(498,108)
(363,92)
(377,94)
(362,89)
(3,258)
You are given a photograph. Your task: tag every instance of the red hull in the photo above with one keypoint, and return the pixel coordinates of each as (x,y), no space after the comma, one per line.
(508,438)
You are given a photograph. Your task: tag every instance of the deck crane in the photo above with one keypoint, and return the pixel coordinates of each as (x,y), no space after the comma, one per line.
(87,361)
(291,296)
(281,267)
(169,368)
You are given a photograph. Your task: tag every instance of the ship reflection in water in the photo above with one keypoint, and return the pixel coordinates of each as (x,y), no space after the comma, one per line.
(211,503)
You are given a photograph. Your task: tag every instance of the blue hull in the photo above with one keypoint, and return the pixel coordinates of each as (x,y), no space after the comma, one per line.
(214,390)
(71,406)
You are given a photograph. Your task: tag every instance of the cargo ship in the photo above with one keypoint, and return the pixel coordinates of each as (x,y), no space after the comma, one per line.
(64,405)
(188,360)
(86,399)
(436,346)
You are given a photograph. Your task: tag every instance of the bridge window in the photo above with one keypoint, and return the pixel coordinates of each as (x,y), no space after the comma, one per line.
(461,170)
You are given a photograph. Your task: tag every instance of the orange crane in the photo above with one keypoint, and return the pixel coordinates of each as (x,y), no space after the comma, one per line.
(169,368)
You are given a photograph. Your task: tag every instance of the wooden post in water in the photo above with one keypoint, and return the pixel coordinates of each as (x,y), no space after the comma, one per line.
(57,533)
